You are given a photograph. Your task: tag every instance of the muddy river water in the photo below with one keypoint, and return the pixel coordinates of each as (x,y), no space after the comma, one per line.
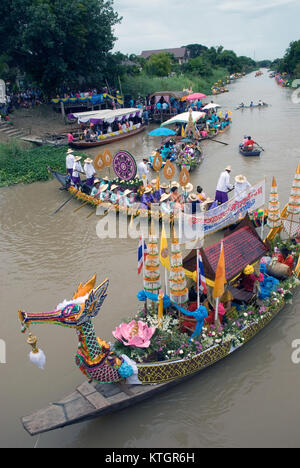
(249,399)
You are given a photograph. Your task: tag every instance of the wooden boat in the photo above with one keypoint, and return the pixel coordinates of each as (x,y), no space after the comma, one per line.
(255,152)
(191,164)
(81,144)
(103,362)
(252,107)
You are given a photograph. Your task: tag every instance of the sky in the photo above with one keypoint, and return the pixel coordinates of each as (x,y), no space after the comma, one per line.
(260,29)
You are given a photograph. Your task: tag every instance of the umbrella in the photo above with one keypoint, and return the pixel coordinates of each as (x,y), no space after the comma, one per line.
(162,132)
(184,118)
(193,97)
(211,106)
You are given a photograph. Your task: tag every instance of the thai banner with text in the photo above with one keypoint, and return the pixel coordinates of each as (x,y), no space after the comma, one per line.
(228,213)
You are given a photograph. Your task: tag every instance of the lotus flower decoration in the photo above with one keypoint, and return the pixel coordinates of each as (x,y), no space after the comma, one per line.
(136,334)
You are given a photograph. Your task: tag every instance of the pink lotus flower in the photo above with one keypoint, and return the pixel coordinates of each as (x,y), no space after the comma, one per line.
(136,334)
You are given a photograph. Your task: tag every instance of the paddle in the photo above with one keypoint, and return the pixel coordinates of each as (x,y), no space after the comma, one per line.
(217,141)
(259,146)
(104,214)
(58,209)
(83,204)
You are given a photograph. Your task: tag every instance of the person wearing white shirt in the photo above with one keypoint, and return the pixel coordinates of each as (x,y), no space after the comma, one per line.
(143,170)
(77,169)
(241,187)
(70,160)
(89,171)
(224,186)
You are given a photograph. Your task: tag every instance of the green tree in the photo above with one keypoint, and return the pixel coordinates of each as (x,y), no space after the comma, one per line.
(159,65)
(59,42)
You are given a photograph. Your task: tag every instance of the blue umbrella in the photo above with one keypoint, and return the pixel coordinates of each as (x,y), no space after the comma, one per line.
(162,132)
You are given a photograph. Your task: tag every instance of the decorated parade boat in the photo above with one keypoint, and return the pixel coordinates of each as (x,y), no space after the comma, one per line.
(98,120)
(176,332)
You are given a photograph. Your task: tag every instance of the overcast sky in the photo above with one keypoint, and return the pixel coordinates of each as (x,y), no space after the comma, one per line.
(260,28)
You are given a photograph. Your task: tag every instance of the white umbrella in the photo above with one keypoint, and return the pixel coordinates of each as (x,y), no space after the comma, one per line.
(211,106)
(184,118)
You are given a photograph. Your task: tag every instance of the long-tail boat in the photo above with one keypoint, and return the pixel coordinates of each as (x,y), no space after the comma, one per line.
(145,359)
(107,117)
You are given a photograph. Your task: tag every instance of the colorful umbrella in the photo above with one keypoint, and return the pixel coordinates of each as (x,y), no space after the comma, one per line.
(162,132)
(195,96)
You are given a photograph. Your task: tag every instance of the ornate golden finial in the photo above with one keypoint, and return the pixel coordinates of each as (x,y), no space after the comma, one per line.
(32,341)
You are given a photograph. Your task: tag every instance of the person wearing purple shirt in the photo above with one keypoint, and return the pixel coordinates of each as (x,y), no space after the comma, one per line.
(147,199)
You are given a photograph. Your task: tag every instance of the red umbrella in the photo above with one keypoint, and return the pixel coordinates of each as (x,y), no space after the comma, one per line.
(193,97)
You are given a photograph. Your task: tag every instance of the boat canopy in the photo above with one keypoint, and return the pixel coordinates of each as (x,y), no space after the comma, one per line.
(243,247)
(167,94)
(184,118)
(107,115)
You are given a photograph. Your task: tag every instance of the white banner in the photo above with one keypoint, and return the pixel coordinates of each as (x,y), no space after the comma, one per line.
(202,224)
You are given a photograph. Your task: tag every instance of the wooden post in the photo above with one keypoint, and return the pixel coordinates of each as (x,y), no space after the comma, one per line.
(62,108)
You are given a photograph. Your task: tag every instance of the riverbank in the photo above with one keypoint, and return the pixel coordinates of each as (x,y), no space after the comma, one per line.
(19,164)
(144,84)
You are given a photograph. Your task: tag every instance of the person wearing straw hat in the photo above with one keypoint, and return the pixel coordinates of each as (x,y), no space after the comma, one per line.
(194,202)
(241,186)
(113,194)
(147,199)
(165,204)
(89,171)
(104,193)
(77,169)
(96,189)
(70,160)
(124,201)
(104,181)
(224,186)
(186,192)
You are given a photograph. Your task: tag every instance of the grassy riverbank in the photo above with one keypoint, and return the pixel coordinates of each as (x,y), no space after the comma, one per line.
(22,165)
(144,84)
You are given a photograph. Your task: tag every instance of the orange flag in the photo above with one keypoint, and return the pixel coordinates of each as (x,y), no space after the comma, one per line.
(220,280)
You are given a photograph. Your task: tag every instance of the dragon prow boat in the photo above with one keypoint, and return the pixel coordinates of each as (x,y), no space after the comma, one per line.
(164,344)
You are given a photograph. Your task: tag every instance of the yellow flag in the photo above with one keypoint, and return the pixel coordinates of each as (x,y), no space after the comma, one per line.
(164,251)
(220,280)
(182,131)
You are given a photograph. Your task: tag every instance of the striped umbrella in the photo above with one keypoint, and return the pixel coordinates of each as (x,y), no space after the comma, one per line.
(274,220)
(291,223)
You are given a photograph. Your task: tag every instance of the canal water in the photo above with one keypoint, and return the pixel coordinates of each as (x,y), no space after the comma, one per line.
(249,399)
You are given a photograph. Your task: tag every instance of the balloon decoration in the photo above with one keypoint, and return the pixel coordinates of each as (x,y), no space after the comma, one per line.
(184,177)
(169,170)
(124,165)
(107,158)
(99,162)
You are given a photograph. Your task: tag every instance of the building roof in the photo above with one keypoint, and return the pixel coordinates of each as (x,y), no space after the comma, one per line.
(241,248)
(179,52)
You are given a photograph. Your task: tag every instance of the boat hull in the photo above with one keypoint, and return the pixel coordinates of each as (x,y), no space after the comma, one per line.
(92,144)
(249,153)
(91,401)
